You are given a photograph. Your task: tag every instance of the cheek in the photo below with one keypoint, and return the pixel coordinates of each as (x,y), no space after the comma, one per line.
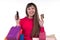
(28,11)
(34,11)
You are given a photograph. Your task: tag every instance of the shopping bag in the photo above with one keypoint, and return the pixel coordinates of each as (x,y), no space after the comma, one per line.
(51,37)
(22,37)
(13,33)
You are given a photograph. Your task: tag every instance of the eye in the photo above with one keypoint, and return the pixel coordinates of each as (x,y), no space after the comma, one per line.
(33,8)
(28,8)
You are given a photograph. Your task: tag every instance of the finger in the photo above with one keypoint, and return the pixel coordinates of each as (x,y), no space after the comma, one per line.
(17,21)
(16,17)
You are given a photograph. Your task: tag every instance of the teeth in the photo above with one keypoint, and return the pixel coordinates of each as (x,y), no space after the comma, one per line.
(31,12)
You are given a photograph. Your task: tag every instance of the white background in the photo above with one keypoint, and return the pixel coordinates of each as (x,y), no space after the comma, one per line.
(50,8)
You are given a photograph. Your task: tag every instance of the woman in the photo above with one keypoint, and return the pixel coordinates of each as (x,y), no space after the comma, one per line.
(31,25)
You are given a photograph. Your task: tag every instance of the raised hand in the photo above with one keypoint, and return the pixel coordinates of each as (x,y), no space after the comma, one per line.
(17,18)
(41,21)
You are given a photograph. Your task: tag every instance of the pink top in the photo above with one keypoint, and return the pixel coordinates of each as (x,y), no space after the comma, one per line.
(27,25)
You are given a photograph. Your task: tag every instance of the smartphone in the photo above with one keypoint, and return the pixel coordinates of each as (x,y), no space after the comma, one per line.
(42,16)
(17,14)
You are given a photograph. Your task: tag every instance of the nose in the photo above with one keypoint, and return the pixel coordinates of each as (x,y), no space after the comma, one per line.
(31,10)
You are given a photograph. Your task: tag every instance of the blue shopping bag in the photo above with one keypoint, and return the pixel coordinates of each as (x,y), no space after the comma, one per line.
(22,37)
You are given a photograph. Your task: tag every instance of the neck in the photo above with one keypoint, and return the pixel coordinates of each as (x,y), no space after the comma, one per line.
(30,17)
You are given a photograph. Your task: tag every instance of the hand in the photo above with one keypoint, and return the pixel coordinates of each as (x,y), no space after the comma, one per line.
(17,21)
(41,21)
(5,39)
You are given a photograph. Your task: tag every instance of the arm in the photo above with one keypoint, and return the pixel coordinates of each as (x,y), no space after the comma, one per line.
(42,29)
(42,34)
(41,22)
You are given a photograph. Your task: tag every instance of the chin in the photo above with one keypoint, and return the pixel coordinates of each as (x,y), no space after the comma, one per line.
(31,15)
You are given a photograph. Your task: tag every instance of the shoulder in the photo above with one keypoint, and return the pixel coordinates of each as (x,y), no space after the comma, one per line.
(23,19)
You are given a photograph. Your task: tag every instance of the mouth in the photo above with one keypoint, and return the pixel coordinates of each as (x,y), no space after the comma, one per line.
(31,12)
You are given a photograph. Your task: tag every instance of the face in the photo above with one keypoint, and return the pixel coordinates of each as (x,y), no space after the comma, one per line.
(31,10)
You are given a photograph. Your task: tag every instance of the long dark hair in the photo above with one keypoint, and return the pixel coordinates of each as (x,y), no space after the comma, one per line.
(36,28)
